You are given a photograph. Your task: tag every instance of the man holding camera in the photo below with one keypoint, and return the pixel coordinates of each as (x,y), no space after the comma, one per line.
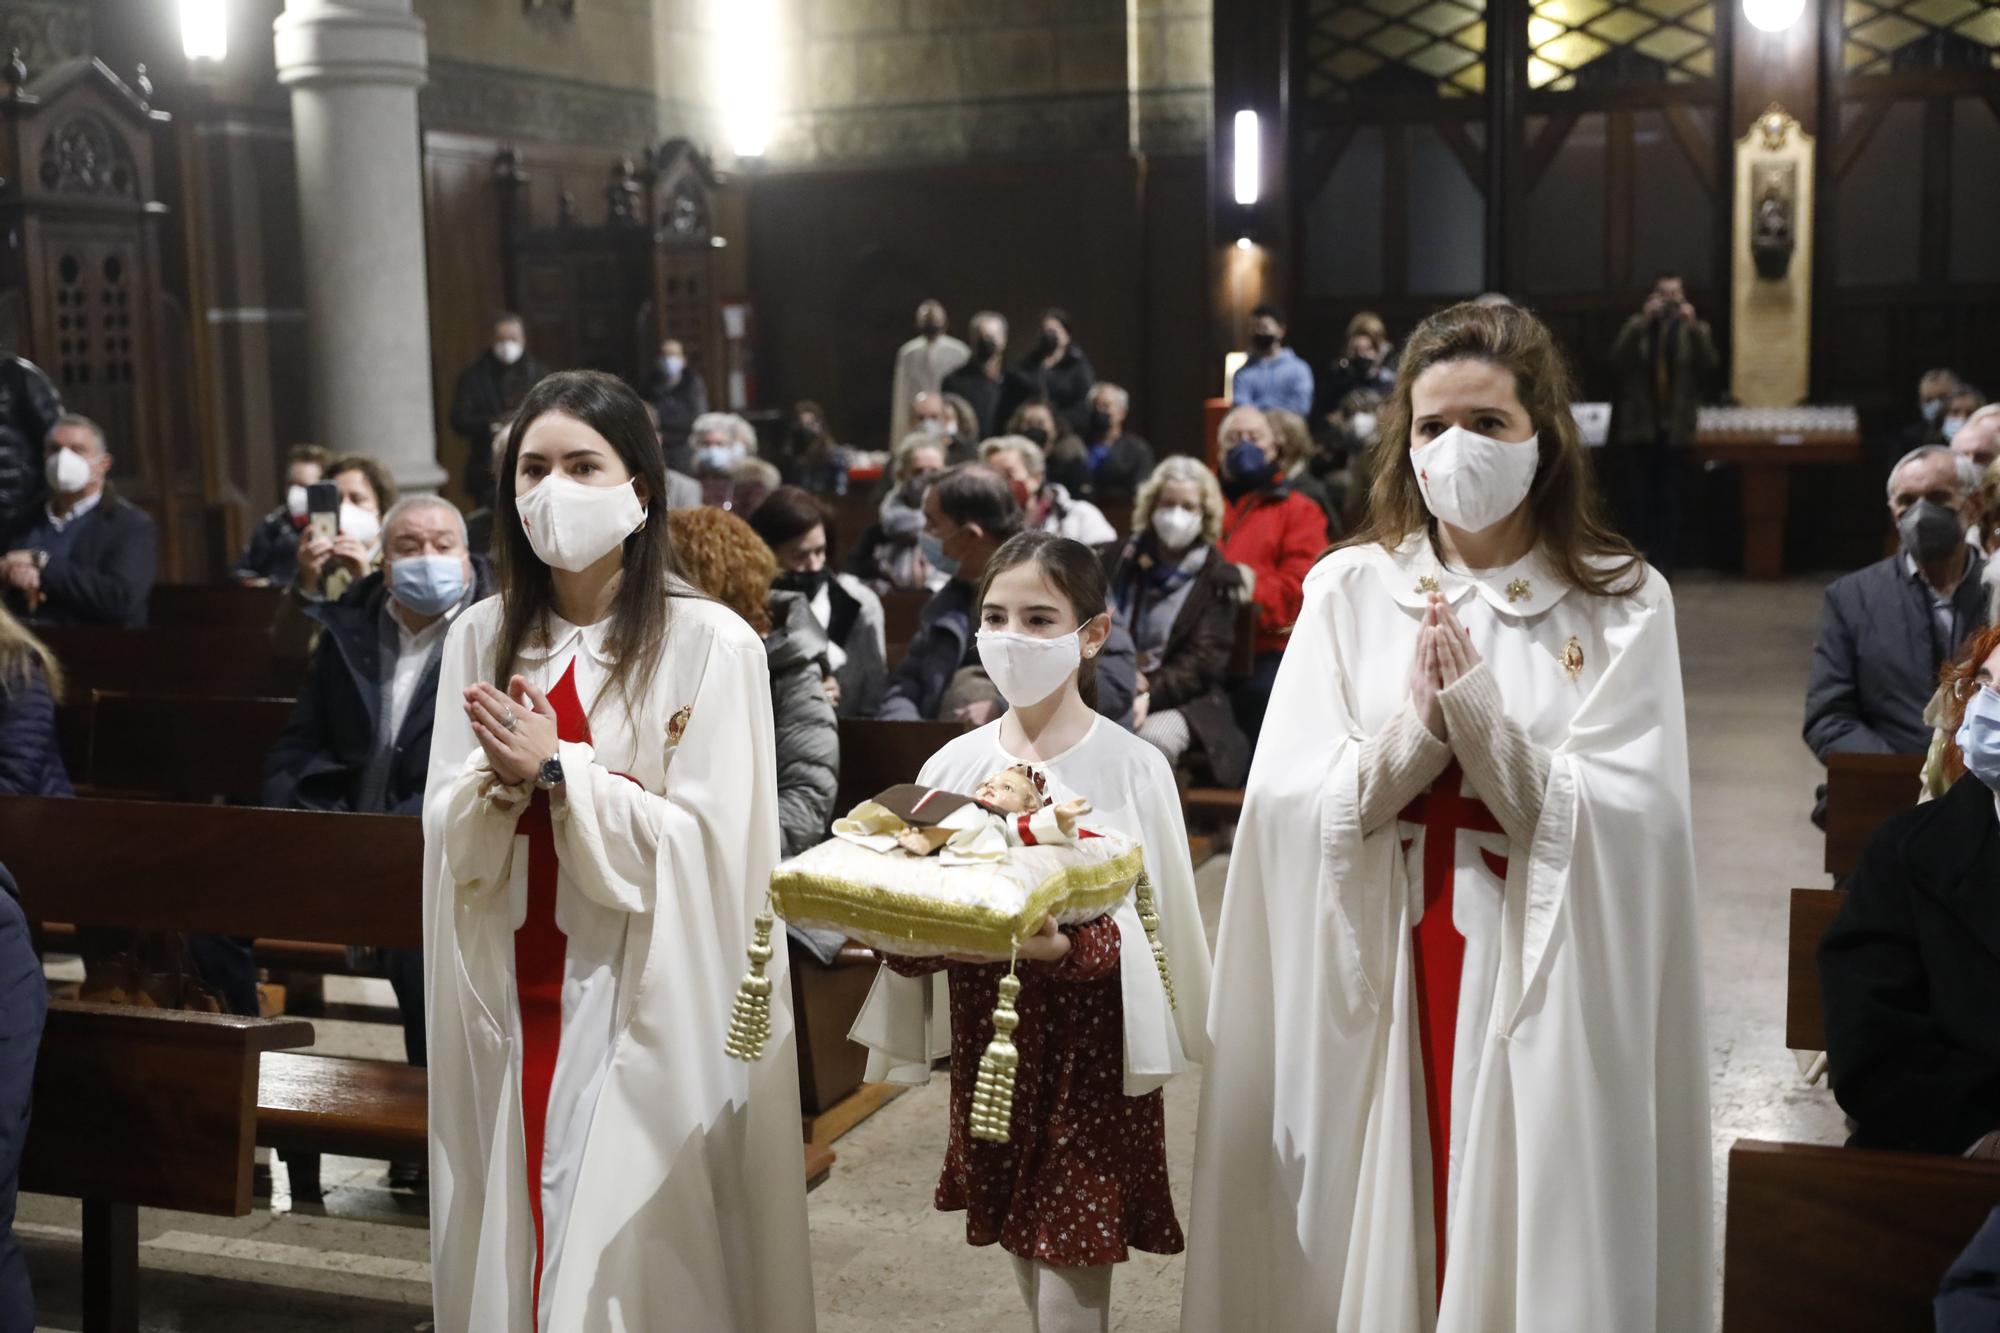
(1664,357)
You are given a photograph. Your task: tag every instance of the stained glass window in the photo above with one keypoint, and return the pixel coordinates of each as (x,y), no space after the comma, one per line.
(1620,41)
(1878,36)
(1418,46)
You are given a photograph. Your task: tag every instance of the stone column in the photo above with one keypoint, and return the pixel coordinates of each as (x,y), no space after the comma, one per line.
(354,67)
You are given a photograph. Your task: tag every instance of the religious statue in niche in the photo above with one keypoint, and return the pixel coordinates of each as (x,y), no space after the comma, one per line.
(1774,196)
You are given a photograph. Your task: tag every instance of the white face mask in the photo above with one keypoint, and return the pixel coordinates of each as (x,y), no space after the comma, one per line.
(935,427)
(509,350)
(295,501)
(1176,527)
(1472,482)
(572,526)
(358,523)
(1027,670)
(1363,425)
(68,471)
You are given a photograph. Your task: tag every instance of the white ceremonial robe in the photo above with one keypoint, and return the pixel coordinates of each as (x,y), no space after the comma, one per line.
(672,1191)
(906,1022)
(1580,1198)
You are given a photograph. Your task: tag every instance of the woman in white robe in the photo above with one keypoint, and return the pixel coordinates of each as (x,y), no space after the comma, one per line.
(1085,1174)
(1458,1074)
(599,833)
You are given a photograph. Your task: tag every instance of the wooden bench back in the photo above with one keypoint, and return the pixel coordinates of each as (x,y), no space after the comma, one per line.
(1862,790)
(177,659)
(214,606)
(149,1106)
(1813,911)
(875,755)
(1824,1238)
(900,609)
(166,747)
(1243,649)
(223,870)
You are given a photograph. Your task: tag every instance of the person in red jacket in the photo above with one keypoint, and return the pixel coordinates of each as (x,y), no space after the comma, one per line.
(1273,535)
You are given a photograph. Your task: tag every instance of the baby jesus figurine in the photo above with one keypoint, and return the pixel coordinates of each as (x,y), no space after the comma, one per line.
(1009,809)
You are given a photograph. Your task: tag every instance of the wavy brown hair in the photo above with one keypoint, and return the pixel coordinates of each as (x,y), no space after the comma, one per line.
(724,557)
(1569,514)
(527,591)
(22,655)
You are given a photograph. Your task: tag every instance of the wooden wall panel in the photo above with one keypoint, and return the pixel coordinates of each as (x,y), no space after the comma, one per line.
(839,260)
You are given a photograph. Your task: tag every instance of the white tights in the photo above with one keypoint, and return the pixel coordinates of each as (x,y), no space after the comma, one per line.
(1064,1300)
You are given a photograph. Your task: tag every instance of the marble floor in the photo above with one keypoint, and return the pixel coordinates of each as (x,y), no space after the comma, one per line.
(883,1262)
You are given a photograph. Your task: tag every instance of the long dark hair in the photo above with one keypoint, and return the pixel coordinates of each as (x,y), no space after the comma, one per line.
(1072,569)
(639,607)
(1569,516)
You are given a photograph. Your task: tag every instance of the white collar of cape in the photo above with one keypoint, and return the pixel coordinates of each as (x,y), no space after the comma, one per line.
(1404,570)
(595,639)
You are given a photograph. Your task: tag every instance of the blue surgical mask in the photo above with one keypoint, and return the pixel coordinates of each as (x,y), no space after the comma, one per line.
(1951,427)
(1979,736)
(1933,408)
(672,366)
(934,555)
(429,585)
(719,457)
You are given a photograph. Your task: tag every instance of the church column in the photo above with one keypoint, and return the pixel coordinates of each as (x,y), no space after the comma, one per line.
(354,67)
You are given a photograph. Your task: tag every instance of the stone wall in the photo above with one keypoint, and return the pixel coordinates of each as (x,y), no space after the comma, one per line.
(875,81)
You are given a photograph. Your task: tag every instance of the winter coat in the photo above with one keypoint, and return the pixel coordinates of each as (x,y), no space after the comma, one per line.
(273,553)
(1126,465)
(488,392)
(30,761)
(1908,983)
(107,575)
(858,626)
(29,409)
(1066,385)
(1640,418)
(1194,664)
(1280,535)
(808,733)
(321,757)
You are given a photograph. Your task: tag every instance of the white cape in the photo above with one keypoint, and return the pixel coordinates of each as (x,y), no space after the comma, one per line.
(681,1192)
(1582,1203)
(906,1021)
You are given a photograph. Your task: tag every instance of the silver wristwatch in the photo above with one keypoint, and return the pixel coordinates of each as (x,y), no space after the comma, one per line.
(550,775)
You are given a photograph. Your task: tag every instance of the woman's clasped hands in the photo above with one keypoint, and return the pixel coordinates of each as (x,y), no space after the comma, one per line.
(1444,656)
(517,730)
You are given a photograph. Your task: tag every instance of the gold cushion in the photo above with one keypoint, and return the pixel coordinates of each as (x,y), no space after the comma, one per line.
(916,906)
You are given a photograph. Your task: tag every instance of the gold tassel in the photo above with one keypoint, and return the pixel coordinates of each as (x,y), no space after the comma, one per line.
(750,1018)
(993,1093)
(1149,917)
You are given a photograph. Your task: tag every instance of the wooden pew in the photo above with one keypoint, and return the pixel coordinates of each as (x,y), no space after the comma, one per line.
(1862,790)
(900,610)
(214,606)
(1813,911)
(143,1107)
(876,754)
(180,659)
(186,748)
(1844,1238)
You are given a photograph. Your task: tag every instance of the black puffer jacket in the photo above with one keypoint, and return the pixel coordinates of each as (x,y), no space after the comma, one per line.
(29,407)
(808,733)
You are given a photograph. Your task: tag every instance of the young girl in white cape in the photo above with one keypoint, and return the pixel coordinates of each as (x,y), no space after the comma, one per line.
(600,827)
(1459,1078)
(1083,1178)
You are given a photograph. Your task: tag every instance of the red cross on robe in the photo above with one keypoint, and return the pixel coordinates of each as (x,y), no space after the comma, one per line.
(1439,955)
(540,949)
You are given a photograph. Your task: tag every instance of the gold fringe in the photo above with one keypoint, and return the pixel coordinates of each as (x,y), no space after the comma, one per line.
(992,1115)
(750,1018)
(1149,917)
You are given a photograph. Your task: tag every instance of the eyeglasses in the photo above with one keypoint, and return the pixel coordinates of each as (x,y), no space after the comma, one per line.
(1961,690)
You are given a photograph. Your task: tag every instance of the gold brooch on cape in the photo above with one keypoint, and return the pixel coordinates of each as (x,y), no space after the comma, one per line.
(677,725)
(1572,658)
(1426,583)
(1517,591)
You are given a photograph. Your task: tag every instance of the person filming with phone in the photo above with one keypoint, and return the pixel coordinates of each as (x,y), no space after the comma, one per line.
(87,556)
(1664,357)
(341,543)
